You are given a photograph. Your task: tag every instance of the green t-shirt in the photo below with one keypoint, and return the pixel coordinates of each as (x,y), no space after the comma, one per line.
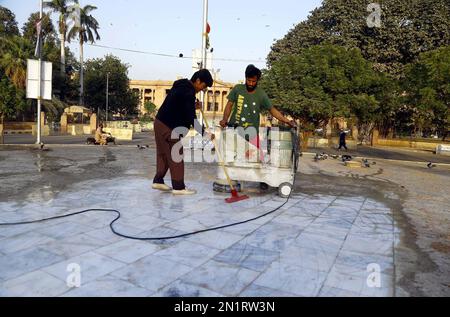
(247,107)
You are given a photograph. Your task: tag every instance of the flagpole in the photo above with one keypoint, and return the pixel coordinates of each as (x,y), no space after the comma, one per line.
(204,35)
(38,141)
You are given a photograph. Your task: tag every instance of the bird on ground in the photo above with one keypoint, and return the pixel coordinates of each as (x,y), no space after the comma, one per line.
(346,158)
(431,165)
(365,162)
(320,157)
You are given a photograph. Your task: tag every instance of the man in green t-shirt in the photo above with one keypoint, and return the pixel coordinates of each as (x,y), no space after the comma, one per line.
(245,103)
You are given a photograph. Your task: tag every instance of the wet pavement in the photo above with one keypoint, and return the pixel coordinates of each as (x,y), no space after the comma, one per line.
(338,235)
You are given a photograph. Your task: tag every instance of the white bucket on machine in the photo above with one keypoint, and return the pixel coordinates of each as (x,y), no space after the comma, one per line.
(280,148)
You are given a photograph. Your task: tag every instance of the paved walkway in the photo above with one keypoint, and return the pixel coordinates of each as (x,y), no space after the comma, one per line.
(316,245)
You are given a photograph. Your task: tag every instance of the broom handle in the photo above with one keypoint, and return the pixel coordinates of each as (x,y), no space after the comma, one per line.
(221,162)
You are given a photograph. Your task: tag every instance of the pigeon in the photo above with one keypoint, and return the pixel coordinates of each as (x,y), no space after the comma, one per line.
(320,157)
(316,157)
(140,147)
(335,156)
(346,158)
(42,146)
(366,162)
(431,165)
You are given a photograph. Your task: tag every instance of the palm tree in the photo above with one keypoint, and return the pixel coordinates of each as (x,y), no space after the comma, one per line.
(63,8)
(84,31)
(13,61)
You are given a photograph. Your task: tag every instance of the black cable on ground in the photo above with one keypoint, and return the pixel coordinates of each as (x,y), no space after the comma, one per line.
(111,225)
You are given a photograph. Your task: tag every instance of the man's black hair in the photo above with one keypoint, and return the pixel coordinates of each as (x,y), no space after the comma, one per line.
(205,77)
(252,71)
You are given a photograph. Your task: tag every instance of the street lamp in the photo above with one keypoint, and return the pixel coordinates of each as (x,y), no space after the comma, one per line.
(107,96)
(215,72)
(204,38)
(38,123)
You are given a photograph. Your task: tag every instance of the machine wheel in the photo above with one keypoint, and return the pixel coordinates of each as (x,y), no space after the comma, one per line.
(284,190)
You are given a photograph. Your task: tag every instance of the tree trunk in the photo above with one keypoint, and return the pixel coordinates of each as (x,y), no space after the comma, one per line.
(63,55)
(63,66)
(2,128)
(81,75)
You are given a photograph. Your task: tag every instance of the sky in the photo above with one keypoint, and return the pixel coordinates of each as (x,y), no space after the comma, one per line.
(240,30)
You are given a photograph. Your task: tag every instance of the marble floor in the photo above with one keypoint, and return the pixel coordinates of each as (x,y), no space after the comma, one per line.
(315,245)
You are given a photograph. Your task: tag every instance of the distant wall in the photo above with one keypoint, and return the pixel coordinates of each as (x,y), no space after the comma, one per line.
(18,127)
(422,145)
(120,134)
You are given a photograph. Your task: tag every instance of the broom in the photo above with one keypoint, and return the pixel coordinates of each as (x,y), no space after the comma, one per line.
(234,194)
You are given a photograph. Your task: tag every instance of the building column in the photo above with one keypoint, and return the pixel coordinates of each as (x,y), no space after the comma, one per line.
(93,123)
(1,130)
(64,123)
(355,133)
(42,119)
(375,136)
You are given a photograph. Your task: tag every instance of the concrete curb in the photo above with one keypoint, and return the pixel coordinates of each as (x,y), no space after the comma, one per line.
(48,146)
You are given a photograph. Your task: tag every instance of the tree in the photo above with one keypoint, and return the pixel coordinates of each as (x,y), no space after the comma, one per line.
(62,7)
(408,28)
(7,101)
(427,86)
(8,23)
(29,30)
(149,114)
(12,100)
(121,98)
(325,82)
(84,30)
(13,60)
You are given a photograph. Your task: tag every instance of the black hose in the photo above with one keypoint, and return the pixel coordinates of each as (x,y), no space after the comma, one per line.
(111,225)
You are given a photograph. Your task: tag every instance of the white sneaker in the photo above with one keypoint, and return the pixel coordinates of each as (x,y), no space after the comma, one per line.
(162,187)
(185,191)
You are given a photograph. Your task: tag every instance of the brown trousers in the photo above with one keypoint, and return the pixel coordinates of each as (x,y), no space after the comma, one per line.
(164,162)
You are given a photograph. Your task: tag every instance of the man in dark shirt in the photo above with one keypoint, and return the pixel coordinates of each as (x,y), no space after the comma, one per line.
(177,110)
(342,143)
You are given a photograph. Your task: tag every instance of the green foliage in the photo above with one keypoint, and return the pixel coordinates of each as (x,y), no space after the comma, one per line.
(408,28)
(149,107)
(48,33)
(87,30)
(8,23)
(11,99)
(150,111)
(13,59)
(61,7)
(325,82)
(121,98)
(427,84)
